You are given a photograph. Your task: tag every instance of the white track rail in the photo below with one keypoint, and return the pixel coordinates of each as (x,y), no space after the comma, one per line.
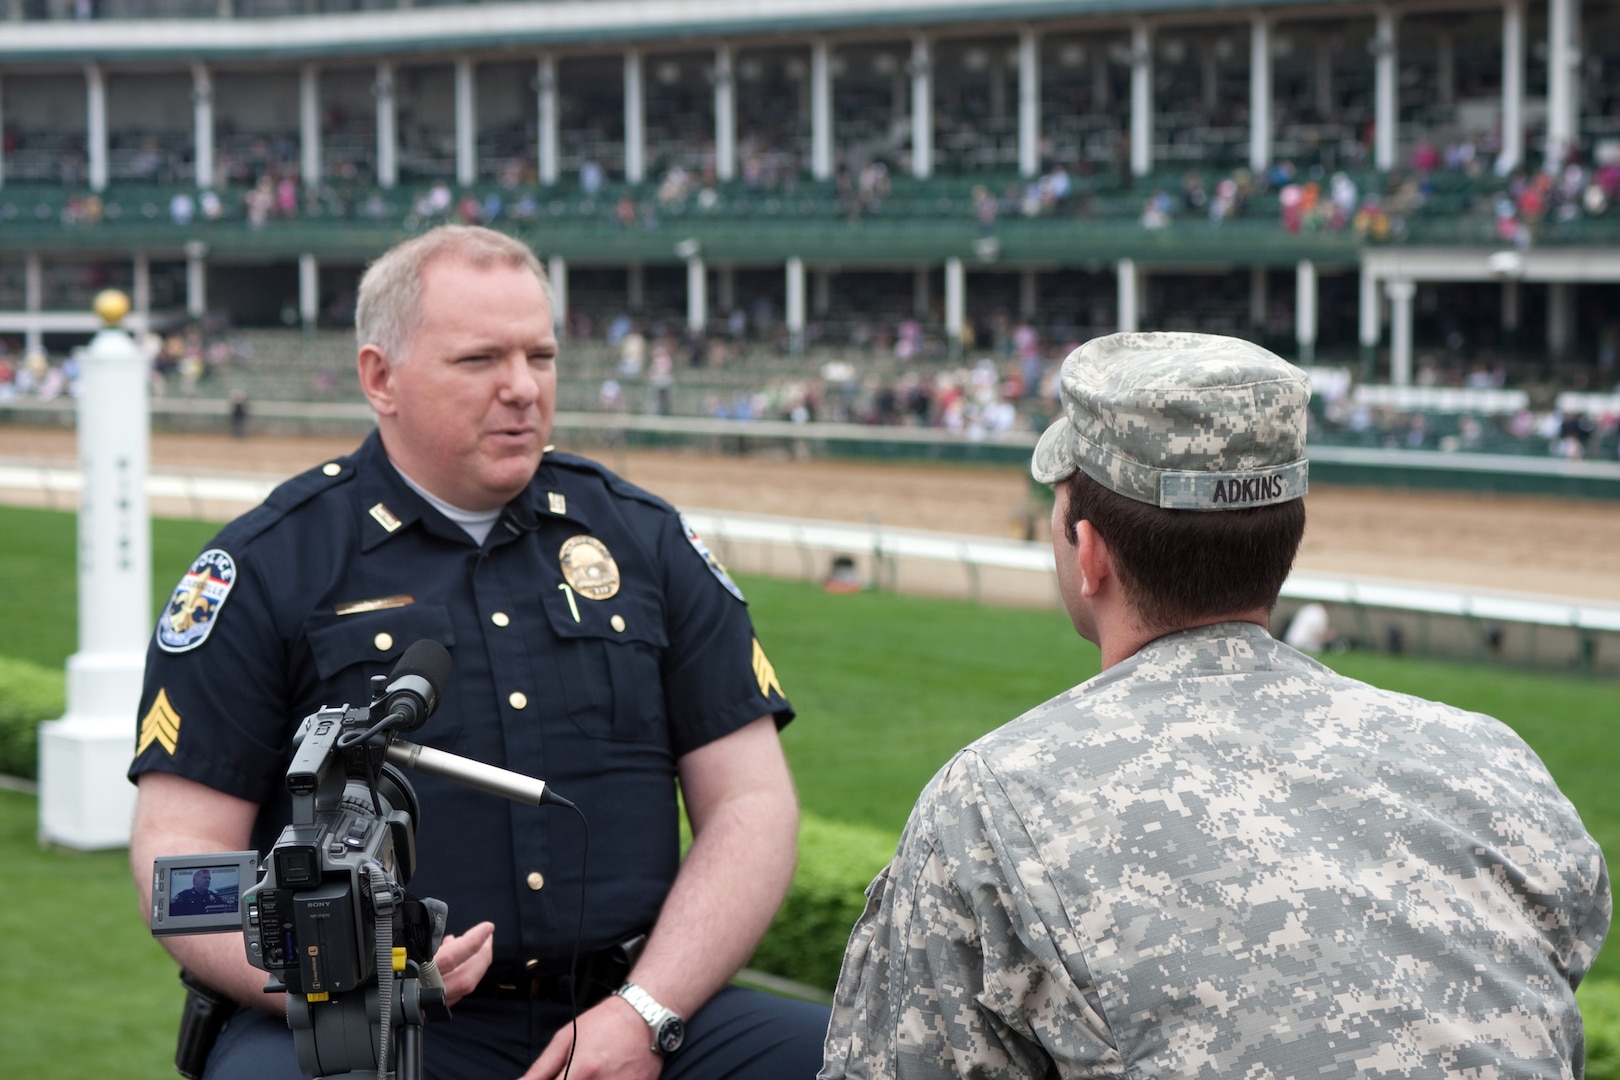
(59,487)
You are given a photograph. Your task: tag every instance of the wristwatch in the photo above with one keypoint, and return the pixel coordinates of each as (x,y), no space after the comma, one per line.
(668,1030)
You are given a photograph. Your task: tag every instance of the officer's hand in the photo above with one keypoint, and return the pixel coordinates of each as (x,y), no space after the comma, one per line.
(463,960)
(614,1042)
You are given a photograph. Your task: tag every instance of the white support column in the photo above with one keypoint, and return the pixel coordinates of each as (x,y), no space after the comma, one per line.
(545,88)
(1562,57)
(1386,109)
(822,302)
(1028,293)
(141,294)
(635,133)
(95,85)
(202,115)
(725,115)
(1259,296)
(83,800)
(33,301)
(1512,86)
(1370,323)
(1324,76)
(1129,299)
(1029,101)
(196,279)
(387,141)
(1400,294)
(821,114)
(697,295)
(1141,98)
(1305,322)
(922,291)
(557,276)
(309,122)
(309,290)
(795,305)
(1259,93)
(725,281)
(922,109)
(955,304)
(635,286)
(466,122)
(1560,319)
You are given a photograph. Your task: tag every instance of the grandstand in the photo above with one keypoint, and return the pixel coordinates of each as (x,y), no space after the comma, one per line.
(1418,192)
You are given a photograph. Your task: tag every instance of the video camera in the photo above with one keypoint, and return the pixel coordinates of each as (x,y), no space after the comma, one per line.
(326,915)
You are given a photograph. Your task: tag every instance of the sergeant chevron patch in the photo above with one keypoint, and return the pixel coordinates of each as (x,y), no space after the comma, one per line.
(160,725)
(765,672)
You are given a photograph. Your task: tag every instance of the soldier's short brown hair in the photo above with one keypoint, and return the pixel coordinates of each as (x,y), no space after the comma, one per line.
(1179,567)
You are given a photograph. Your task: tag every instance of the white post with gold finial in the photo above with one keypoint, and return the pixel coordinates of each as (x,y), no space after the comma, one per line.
(84,800)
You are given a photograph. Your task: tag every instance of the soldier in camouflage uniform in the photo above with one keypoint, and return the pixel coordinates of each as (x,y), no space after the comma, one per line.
(1217,858)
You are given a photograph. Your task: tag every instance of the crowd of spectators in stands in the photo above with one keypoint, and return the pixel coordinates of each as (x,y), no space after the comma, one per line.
(188,362)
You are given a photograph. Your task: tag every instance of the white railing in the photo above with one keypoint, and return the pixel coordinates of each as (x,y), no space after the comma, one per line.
(811,539)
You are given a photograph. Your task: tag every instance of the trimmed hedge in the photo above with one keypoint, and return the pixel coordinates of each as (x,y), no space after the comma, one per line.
(28,694)
(836,861)
(1600,1009)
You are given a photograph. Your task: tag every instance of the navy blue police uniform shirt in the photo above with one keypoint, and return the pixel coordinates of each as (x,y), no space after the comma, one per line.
(595,641)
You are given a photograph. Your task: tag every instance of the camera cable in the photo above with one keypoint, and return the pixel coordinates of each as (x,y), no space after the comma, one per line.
(579,933)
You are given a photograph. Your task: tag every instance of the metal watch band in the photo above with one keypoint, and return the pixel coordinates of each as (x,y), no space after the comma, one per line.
(668,1029)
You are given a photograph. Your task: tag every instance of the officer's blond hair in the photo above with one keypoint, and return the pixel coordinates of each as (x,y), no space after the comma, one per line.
(390,299)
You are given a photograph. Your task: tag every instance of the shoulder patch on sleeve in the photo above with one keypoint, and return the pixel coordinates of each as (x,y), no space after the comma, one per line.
(195,603)
(160,725)
(709,560)
(765,672)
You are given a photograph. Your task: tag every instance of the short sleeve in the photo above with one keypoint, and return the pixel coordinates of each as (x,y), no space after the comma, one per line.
(717,676)
(216,712)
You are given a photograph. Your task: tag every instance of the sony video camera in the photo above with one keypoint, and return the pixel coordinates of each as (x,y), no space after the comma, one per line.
(326,914)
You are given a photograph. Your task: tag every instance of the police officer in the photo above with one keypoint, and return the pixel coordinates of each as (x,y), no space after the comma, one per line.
(596,643)
(1217,858)
(198,897)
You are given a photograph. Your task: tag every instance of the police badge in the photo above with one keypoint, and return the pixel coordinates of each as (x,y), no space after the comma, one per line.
(194,605)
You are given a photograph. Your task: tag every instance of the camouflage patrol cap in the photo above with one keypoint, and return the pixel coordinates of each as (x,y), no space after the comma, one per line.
(1182,421)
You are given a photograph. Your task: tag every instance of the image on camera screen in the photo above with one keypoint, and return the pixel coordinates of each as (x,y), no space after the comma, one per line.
(204,890)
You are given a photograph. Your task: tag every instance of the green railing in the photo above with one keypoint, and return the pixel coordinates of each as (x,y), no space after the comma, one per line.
(918,221)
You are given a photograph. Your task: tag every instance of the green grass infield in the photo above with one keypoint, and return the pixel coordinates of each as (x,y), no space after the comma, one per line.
(886,687)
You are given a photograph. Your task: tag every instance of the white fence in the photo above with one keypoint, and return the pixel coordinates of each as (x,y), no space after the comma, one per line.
(976,566)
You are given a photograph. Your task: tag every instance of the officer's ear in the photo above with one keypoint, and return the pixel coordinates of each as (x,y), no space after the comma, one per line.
(376,372)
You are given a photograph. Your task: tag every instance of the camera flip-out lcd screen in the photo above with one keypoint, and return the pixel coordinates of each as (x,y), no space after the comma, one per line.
(195,894)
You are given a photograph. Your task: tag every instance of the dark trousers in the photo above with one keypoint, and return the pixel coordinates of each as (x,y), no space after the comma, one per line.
(739,1035)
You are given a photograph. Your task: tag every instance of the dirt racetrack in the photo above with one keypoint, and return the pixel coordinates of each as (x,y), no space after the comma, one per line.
(1521,544)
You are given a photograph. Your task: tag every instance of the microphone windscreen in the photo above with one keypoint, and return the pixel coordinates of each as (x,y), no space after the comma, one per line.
(428,660)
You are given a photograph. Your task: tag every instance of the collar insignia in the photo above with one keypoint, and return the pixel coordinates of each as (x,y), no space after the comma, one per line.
(385,517)
(557,503)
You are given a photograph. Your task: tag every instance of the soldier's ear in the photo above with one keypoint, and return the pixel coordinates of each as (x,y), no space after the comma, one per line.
(376,373)
(1096,561)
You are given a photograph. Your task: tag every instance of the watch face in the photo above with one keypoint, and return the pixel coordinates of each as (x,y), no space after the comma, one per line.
(670,1035)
